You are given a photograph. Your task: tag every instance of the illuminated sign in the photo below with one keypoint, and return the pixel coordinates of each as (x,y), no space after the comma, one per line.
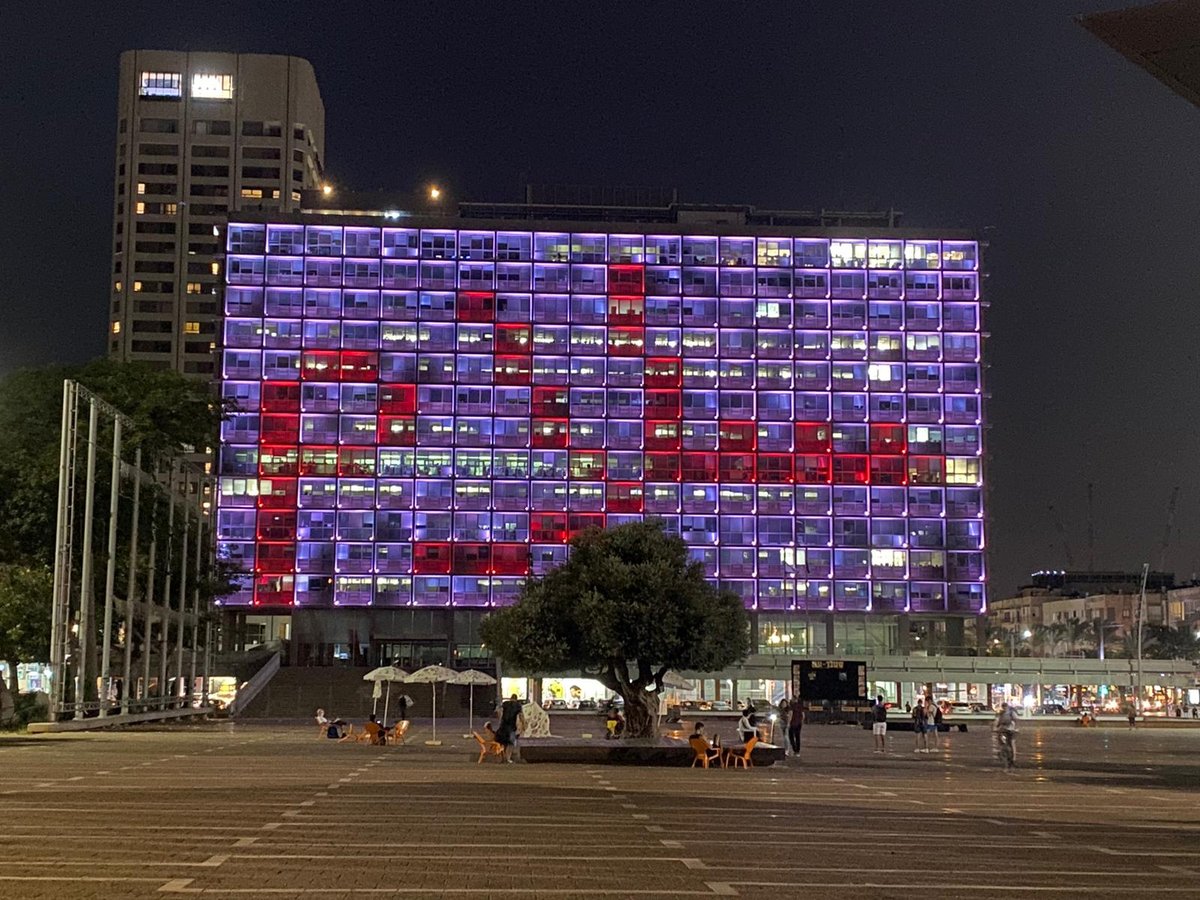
(212,86)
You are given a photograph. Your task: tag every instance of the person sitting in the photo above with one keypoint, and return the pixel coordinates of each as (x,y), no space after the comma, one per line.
(375,730)
(709,752)
(745,725)
(331,728)
(615,723)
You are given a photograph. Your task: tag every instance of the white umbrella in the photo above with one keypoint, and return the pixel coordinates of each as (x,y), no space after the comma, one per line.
(677,682)
(388,674)
(432,675)
(472,677)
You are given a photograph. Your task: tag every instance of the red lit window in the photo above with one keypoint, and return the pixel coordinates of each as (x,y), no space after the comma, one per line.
(626,279)
(887,470)
(699,466)
(737,435)
(662,467)
(512,339)
(279,428)
(276,493)
(359,365)
(662,404)
(849,469)
(551,401)
(472,559)
(775,468)
(398,431)
(320,365)
(661,436)
(274,590)
(663,372)
(476,306)
(624,497)
(512,370)
(278,461)
(548,528)
(280,396)
(812,437)
(397,399)
(626,310)
(812,469)
(549,434)
(887,438)
(431,559)
(626,341)
(737,468)
(276,525)
(510,559)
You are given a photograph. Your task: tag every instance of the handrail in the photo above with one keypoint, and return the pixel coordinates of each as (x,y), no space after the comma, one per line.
(248,691)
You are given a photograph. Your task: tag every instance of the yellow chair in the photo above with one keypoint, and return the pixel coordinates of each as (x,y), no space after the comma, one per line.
(743,758)
(487,748)
(704,754)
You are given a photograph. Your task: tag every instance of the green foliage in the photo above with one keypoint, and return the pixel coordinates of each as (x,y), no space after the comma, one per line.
(169,411)
(627,606)
(24,614)
(1179,642)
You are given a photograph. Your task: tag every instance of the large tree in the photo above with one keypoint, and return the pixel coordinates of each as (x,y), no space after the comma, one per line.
(626,607)
(24,616)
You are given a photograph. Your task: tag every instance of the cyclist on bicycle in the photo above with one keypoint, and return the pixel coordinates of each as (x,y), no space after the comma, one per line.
(1005,729)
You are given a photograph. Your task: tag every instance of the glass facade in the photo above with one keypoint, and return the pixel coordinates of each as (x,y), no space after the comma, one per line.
(428,415)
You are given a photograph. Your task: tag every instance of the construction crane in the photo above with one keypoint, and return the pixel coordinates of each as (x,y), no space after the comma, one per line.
(1062,531)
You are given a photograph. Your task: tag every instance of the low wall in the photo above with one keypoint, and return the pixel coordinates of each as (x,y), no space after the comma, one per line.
(93,723)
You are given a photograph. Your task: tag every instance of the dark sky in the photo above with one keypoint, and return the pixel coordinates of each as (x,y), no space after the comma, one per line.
(1080,170)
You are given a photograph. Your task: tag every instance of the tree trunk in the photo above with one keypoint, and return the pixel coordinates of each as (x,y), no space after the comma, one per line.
(641,712)
(14,683)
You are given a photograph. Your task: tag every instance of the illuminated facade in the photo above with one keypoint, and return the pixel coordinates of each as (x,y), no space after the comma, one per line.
(431,411)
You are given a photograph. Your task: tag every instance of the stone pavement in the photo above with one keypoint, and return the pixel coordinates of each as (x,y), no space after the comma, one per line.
(232,810)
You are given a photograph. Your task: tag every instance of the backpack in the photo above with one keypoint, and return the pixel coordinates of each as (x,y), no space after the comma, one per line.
(937,715)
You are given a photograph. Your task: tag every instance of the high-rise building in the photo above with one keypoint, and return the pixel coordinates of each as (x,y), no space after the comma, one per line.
(199,135)
(433,407)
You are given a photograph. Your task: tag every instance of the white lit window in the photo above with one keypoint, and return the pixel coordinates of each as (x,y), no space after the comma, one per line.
(116,327)
(193,287)
(191,327)
(252,193)
(212,86)
(216,268)
(892,559)
(141,208)
(160,84)
(141,187)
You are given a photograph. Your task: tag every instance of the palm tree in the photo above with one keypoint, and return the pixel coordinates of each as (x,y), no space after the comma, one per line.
(1101,630)
(1166,642)
(1075,632)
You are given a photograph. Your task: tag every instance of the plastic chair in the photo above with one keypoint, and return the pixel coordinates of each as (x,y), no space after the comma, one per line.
(487,748)
(398,731)
(704,754)
(743,758)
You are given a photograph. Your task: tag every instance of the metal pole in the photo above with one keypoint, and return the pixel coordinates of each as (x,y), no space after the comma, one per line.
(148,619)
(131,583)
(196,590)
(85,578)
(166,597)
(207,660)
(60,609)
(1137,694)
(110,572)
(181,612)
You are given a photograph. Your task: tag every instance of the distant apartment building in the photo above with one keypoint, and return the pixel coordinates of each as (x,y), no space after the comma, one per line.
(199,135)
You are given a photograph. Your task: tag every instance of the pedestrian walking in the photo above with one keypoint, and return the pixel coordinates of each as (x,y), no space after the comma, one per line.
(511,723)
(795,724)
(785,718)
(1004,729)
(879,715)
(1131,714)
(920,719)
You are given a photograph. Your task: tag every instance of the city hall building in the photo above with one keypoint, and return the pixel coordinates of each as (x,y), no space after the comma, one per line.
(431,407)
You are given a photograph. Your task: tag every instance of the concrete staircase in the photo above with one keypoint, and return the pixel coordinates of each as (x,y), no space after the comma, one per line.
(297,692)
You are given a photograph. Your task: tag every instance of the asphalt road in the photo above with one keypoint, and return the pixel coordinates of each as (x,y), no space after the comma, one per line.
(254,810)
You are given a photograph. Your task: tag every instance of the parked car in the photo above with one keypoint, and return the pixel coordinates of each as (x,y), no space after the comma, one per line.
(553,703)
(1050,709)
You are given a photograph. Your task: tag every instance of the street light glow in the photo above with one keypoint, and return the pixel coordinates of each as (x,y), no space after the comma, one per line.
(435,192)
(327,189)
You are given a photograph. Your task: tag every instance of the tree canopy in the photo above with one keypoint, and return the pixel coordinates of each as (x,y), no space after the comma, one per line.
(626,607)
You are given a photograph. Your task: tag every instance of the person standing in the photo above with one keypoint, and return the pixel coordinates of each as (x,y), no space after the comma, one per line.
(795,724)
(1131,714)
(933,712)
(402,708)
(785,716)
(879,715)
(511,723)
(920,720)
(1005,729)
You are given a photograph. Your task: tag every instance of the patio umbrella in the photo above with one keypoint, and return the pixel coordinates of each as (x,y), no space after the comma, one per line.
(472,677)
(432,675)
(677,682)
(386,674)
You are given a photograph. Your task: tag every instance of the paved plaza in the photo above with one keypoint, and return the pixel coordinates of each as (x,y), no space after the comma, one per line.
(259,810)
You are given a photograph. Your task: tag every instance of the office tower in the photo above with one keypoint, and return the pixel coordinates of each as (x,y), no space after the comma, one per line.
(434,407)
(199,135)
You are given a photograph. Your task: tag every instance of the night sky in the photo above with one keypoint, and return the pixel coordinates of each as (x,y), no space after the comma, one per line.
(1078,168)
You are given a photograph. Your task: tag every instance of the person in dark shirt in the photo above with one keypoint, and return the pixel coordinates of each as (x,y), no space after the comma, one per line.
(879,724)
(511,723)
